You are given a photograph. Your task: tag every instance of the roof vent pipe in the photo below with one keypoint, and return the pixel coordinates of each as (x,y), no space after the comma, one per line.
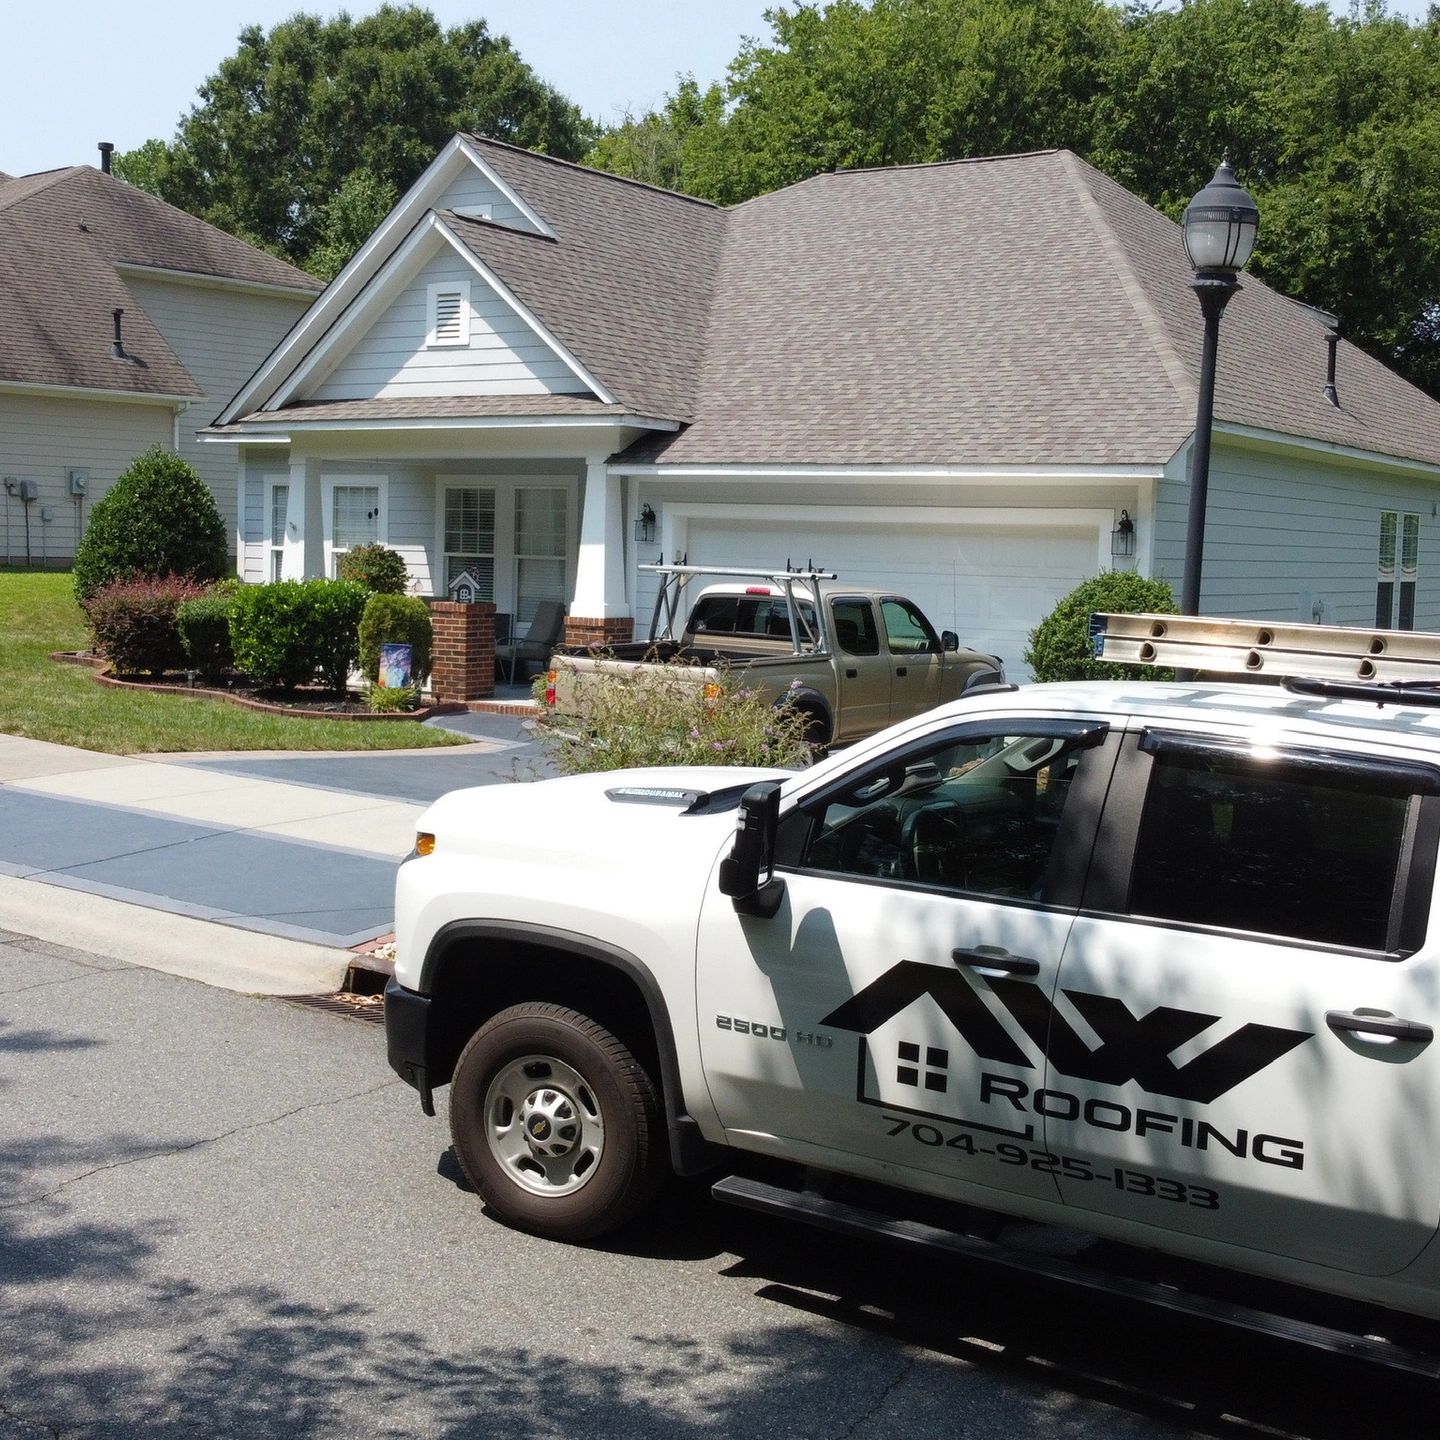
(117,346)
(1331,394)
(106,148)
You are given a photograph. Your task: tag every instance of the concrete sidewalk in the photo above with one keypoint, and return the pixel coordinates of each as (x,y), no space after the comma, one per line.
(299,845)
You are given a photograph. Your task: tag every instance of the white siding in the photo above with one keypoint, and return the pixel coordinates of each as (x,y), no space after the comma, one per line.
(42,437)
(504,356)
(220,336)
(472,191)
(1282,534)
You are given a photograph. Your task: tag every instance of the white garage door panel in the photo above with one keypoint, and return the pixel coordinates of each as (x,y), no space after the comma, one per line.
(990,584)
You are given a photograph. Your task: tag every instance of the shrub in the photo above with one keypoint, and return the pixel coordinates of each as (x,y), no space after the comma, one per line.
(655,715)
(133,623)
(1060,644)
(293,631)
(396,620)
(386,700)
(204,626)
(377,568)
(158,519)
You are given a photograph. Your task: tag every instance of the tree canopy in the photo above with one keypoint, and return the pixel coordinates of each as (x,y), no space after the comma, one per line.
(1331,122)
(303,138)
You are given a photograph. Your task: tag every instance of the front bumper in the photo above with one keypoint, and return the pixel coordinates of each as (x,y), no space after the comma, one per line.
(407,1039)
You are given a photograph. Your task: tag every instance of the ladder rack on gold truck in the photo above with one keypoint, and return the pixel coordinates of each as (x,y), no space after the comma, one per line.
(1331,660)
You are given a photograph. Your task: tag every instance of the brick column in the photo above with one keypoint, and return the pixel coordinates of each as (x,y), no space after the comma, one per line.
(464,665)
(584,630)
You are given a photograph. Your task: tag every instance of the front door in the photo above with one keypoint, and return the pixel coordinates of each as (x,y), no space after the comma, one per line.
(859,1020)
(917,661)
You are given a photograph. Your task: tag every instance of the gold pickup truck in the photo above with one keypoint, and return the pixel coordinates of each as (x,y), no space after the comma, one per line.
(853,659)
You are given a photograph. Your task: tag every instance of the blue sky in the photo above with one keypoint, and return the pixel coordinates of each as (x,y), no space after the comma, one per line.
(73,72)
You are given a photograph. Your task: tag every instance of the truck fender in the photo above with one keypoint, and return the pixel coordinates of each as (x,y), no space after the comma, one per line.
(690,1153)
(812,702)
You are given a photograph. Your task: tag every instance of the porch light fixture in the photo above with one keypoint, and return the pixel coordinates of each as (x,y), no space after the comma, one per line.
(1122,537)
(1220,226)
(645,525)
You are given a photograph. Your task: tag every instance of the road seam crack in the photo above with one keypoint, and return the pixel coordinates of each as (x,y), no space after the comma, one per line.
(897,1380)
(164,1153)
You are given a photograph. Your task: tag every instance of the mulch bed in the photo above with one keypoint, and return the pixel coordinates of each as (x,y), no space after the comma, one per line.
(306,701)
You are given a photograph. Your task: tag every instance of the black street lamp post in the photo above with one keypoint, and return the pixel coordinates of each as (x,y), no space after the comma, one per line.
(1220,226)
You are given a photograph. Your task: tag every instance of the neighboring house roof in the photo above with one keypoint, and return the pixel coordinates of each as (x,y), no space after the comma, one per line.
(1020,310)
(62,235)
(436,407)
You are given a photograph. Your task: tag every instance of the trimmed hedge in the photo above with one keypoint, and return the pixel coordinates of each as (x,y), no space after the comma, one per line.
(157,520)
(1060,644)
(133,623)
(204,626)
(293,632)
(397,620)
(379,569)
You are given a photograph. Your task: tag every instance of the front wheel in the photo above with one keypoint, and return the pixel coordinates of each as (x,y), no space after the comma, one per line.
(556,1123)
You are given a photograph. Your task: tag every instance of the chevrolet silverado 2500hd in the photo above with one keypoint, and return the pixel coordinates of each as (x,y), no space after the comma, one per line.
(1153,961)
(855,662)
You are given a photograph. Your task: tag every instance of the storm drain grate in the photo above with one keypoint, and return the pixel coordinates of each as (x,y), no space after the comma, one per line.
(354,1007)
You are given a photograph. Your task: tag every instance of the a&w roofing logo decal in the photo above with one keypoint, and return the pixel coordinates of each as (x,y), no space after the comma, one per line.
(1131,1047)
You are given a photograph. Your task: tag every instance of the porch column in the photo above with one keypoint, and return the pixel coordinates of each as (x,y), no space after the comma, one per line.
(599,613)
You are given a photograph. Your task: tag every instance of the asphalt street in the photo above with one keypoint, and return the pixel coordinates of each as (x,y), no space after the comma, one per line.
(221,1215)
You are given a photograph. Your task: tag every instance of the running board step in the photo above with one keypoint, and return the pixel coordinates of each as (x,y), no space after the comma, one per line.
(844,1219)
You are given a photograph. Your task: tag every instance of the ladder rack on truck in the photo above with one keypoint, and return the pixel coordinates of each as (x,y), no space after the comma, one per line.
(675,578)
(1377,664)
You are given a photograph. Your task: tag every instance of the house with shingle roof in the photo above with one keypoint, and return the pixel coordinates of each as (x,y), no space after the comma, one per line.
(954,379)
(124,323)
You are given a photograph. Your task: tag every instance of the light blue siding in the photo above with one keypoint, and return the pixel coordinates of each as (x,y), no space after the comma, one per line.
(474,191)
(504,355)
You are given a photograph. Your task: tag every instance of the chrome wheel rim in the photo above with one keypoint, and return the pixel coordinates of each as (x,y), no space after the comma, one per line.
(543,1125)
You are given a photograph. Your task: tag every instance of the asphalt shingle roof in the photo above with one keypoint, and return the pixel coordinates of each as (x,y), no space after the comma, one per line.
(425,408)
(62,233)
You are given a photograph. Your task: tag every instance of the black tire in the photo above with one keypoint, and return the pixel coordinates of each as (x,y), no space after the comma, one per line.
(556,1123)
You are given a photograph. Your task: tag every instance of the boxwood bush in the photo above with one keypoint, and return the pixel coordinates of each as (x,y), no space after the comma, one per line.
(1060,644)
(204,626)
(396,620)
(157,519)
(294,632)
(133,623)
(377,568)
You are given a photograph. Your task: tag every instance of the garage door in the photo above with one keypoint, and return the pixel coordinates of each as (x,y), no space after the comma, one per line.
(990,584)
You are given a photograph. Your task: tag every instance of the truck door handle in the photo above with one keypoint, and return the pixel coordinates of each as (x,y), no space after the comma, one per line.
(851,674)
(902,670)
(1356,1024)
(993,960)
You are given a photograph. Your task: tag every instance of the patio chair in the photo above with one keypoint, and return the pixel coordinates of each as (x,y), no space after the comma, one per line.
(544,631)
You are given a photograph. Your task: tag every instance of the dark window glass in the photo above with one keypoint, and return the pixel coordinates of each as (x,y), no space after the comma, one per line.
(974,817)
(1253,845)
(907,631)
(855,631)
(1385,604)
(1407,606)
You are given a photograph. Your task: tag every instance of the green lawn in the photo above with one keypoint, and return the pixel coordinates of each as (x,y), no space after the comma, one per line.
(44,700)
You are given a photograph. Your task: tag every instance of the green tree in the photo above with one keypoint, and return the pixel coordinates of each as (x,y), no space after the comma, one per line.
(673,147)
(295,113)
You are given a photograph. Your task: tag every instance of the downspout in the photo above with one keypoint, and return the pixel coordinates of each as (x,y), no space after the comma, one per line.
(181,406)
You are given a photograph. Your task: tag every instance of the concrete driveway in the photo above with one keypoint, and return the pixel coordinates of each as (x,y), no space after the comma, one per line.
(296,844)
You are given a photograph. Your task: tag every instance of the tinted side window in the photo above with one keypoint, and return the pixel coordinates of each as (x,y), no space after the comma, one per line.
(1281,850)
(855,631)
(906,629)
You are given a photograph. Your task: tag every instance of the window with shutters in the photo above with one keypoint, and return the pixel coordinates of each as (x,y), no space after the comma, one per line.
(448,318)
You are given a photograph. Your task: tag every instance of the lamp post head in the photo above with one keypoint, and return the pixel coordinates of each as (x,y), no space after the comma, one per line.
(1220,226)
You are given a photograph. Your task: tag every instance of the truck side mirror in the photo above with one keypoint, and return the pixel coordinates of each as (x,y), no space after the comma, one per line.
(745,873)
(949,640)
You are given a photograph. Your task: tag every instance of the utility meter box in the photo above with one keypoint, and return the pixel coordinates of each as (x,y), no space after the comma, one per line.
(79,481)
(29,490)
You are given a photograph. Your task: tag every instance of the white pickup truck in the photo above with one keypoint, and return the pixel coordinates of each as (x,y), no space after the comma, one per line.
(1154,962)
(852,659)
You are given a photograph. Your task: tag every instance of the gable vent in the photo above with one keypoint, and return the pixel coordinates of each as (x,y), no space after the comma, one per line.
(449,318)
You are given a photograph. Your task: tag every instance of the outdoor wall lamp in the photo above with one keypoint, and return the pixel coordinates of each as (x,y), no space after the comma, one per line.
(1122,537)
(645,525)
(1220,227)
